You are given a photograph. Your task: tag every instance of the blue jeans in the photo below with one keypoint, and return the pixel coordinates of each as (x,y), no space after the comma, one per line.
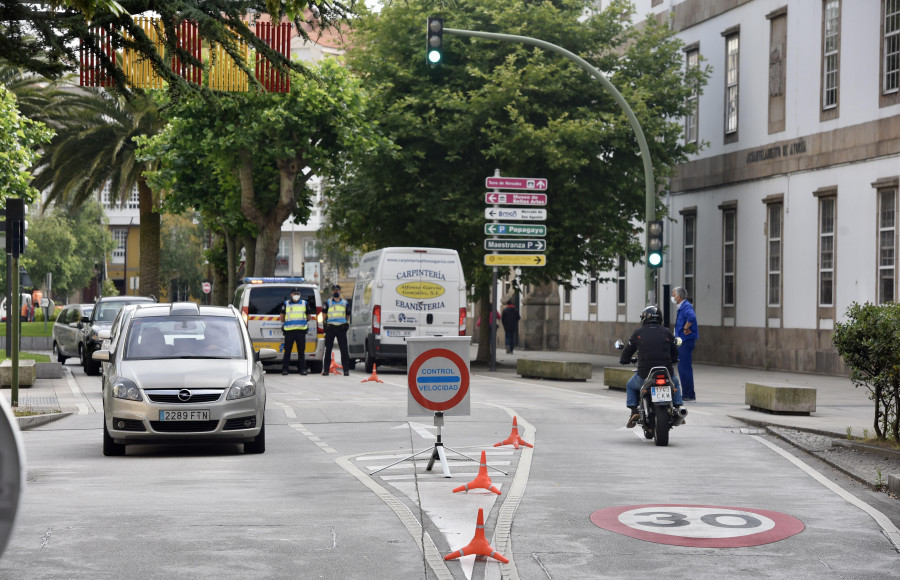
(633,391)
(685,370)
(510,341)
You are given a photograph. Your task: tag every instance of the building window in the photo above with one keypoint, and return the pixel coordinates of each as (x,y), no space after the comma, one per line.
(826,251)
(594,289)
(729,239)
(890,82)
(732,60)
(120,236)
(567,296)
(111,202)
(283,258)
(777,64)
(310,250)
(887,255)
(620,281)
(831,56)
(692,120)
(773,269)
(690,242)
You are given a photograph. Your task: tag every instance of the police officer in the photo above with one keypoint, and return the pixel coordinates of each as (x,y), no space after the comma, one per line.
(655,345)
(295,321)
(336,325)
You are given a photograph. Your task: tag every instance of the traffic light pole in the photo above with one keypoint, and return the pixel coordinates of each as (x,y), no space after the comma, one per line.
(12,321)
(649,182)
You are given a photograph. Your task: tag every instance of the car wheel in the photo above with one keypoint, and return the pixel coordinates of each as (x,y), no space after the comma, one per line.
(59,356)
(92,368)
(369,362)
(110,447)
(258,445)
(315,367)
(351,365)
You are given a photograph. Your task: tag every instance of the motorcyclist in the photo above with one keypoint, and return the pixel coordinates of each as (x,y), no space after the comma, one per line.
(655,346)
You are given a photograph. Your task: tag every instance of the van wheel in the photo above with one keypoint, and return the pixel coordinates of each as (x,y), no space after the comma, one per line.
(315,367)
(369,362)
(59,356)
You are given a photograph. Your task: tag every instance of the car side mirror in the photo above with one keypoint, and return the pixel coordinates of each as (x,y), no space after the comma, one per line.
(103,334)
(101,355)
(266,354)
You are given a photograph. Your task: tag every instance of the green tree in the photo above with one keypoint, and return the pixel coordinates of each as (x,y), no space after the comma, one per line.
(67,243)
(182,266)
(867,342)
(46,37)
(95,147)
(520,109)
(20,138)
(264,148)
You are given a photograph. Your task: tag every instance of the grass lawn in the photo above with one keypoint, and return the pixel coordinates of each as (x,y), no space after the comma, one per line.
(26,355)
(31,329)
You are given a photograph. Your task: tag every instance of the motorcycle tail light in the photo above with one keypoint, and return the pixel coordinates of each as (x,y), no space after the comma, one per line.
(661,379)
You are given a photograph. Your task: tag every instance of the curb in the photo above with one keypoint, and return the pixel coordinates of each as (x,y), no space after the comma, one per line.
(33,421)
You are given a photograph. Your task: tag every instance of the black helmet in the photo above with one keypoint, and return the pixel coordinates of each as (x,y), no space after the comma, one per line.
(651,315)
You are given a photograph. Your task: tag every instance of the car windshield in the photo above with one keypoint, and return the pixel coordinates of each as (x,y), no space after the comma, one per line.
(166,337)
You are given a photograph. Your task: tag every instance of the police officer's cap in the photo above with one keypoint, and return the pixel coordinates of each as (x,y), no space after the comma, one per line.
(295,290)
(336,287)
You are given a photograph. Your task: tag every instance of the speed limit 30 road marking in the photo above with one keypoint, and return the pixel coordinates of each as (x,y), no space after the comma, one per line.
(699,526)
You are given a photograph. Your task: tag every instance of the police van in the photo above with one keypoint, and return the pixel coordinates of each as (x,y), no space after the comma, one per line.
(260,301)
(404,292)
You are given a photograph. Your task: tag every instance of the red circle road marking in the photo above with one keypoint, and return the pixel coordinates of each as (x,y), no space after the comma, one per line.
(698,526)
(463,383)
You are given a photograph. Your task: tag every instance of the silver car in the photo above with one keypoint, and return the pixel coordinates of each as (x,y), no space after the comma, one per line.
(180,373)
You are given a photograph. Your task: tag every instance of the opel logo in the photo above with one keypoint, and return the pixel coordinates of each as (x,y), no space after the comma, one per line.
(184,395)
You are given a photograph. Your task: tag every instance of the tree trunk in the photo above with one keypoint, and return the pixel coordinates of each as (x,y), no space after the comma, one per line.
(484,329)
(895,427)
(267,249)
(149,232)
(231,261)
(879,432)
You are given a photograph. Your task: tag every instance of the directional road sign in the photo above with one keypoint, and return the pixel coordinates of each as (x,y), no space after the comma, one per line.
(515,213)
(504,198)
(515,260)
(515,245)
(515,230)
(538,183)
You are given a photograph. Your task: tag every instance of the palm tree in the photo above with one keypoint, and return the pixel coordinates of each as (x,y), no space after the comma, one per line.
(95,146)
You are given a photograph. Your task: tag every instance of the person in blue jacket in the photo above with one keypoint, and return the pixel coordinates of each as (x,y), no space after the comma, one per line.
(685,329)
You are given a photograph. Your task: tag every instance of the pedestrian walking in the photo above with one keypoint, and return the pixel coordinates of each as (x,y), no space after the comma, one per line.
(336,325)
(294,323)
(510,319)
(685,329)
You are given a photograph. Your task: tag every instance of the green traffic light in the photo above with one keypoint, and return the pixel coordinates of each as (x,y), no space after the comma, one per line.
(655,260)
(434,56)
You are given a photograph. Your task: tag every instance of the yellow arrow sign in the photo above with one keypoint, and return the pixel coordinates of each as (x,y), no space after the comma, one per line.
(515,260)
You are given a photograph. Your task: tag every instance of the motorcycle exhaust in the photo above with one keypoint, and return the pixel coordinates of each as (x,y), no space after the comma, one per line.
(682,412)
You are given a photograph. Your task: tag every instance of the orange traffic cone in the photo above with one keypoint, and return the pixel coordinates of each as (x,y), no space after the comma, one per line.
(514,438)
(333,369)
(479,546)
(482,480)
(373,377)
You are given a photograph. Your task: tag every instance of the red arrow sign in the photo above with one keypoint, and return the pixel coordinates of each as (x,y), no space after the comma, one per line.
(538,183)
(502,198)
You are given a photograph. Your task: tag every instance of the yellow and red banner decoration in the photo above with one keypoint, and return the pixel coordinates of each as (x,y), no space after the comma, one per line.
(224,74)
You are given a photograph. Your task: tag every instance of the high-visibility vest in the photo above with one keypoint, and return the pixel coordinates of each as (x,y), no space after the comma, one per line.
(337,311)
(295,315)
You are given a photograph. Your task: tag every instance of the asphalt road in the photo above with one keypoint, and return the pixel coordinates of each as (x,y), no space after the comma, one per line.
(592,499)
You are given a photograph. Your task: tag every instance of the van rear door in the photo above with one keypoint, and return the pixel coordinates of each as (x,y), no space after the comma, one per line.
(421,293)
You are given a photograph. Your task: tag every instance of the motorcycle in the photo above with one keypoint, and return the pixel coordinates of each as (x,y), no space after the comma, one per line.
(657,413)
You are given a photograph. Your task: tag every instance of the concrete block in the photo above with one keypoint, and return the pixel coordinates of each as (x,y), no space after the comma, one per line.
(26,373)
(48,370)
(554,369)
(780,399)
(894,484)
(617,377)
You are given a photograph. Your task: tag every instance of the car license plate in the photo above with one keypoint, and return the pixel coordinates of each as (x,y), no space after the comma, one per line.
(661,394)
(194,415)
(272,333)
(399,333)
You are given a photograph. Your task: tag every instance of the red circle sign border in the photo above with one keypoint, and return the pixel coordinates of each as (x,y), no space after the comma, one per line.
(463,385)
(785,527)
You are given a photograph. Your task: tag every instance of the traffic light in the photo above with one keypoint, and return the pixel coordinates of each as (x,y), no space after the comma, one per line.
(16,226)
(434,41)
(655,243)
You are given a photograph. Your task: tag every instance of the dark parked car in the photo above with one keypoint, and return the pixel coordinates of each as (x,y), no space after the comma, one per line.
(105,311)
(67,331)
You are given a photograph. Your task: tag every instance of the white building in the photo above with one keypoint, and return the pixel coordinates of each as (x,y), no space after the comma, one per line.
(788,214)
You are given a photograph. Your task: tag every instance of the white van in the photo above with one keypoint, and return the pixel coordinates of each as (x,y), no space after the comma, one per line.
(403,292)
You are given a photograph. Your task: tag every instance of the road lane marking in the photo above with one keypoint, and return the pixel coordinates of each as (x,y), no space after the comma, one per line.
(888,528)
(288,410)
(299,427)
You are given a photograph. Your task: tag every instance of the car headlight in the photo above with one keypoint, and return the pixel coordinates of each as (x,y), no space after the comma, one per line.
(94,331)
(126,389)
(241,388)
